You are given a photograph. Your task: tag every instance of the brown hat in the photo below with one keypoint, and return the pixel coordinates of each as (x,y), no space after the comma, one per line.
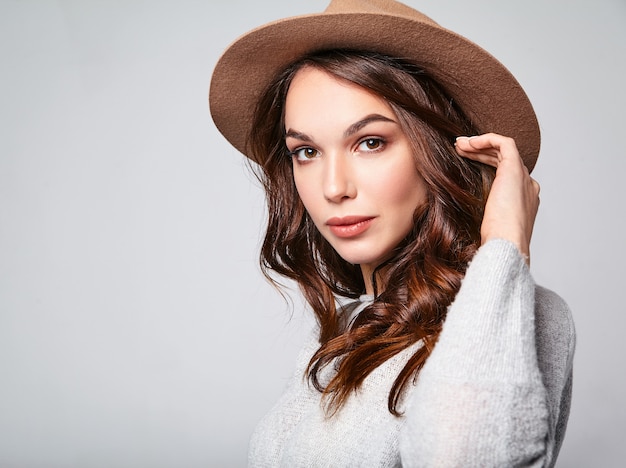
(486,91)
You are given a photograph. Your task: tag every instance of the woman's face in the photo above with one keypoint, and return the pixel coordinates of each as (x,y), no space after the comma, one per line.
(352,166)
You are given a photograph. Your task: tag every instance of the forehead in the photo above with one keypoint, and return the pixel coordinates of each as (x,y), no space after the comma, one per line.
(315,95)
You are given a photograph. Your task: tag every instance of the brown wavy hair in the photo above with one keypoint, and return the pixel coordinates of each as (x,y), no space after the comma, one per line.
(425,271)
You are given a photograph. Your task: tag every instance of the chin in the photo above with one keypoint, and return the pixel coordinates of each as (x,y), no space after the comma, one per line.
(359,258)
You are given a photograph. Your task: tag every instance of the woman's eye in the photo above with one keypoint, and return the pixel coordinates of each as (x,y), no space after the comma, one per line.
(305,153)
(370,144)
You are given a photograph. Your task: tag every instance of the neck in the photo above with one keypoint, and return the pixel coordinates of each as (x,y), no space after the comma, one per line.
(368,278)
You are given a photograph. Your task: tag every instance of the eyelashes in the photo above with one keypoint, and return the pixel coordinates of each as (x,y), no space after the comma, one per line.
(366,145)
(371,144)
(304,153)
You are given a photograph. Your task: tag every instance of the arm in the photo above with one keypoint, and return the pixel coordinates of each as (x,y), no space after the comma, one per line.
(480,400)
(494,392)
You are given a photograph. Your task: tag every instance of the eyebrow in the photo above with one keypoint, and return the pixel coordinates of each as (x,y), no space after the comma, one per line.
(351,130)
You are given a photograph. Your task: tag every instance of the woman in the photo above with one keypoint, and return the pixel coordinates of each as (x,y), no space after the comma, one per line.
(409,239)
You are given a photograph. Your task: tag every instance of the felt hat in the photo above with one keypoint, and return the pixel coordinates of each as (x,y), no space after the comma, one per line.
(486,91)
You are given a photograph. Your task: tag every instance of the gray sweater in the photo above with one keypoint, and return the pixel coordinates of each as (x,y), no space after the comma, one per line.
(495,392)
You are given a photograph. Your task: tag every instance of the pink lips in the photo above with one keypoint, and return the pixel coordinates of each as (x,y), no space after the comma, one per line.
(349,226)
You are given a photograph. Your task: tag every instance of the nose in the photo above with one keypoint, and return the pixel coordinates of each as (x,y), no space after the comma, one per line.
(339,183)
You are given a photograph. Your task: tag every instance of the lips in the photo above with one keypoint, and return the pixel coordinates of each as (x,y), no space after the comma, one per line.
(349,226)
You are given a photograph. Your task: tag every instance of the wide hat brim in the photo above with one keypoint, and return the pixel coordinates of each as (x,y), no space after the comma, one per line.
(486,91)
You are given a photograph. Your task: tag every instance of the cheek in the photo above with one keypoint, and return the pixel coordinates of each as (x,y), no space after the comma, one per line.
(306,192)
(300,186)
(403,187)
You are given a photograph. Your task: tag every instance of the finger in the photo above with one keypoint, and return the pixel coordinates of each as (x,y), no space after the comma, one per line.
(488,156)
(492,153)
(487,141)
(492,144)
(464,144)
(484,158)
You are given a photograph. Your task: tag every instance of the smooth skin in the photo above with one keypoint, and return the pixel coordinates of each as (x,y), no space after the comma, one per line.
(351,159)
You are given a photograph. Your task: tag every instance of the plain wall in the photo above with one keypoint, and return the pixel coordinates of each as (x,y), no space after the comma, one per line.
(135,327)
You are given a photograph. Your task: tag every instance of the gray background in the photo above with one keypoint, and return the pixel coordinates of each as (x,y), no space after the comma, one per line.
(135,327)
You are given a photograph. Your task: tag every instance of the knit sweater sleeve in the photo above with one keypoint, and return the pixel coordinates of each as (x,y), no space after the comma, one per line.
(481,400)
